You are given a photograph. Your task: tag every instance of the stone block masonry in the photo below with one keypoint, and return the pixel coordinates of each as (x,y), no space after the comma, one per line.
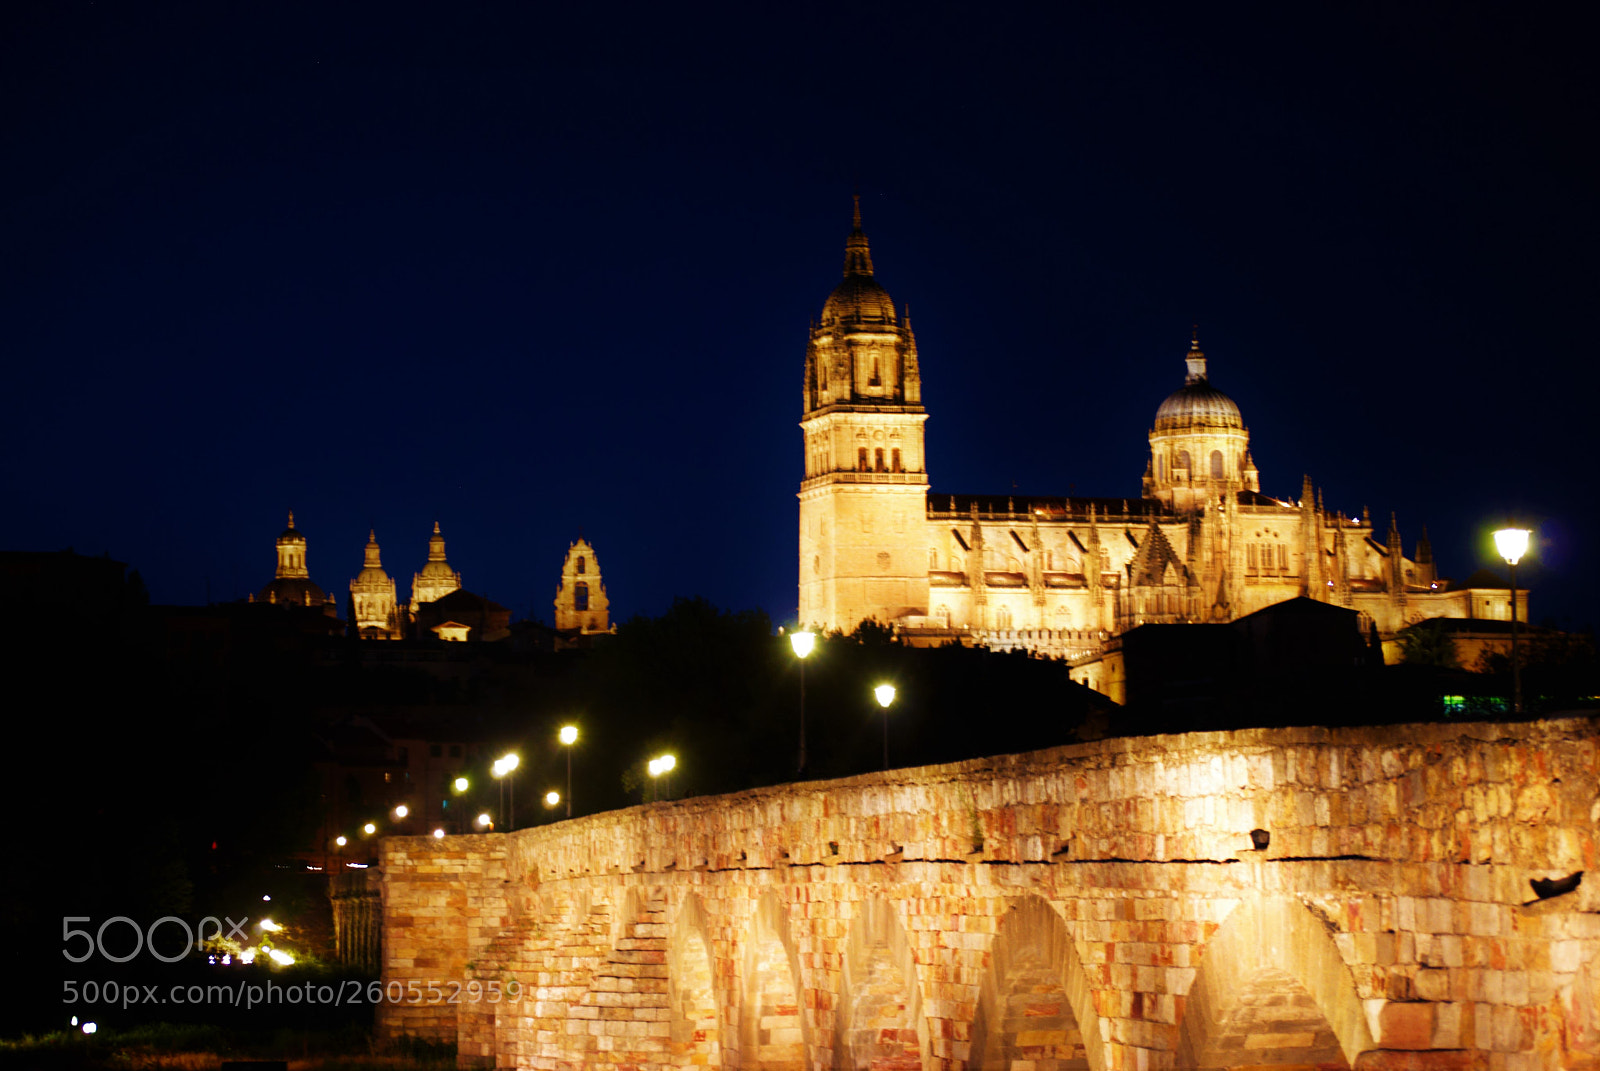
(1096,906)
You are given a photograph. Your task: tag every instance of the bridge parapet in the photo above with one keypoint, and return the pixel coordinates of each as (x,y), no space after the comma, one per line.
(1100,905)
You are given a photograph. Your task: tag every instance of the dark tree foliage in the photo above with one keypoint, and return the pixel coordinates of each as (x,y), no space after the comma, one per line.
(1427,644)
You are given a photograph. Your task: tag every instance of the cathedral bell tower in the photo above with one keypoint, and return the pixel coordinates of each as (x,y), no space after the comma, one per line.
(863,498)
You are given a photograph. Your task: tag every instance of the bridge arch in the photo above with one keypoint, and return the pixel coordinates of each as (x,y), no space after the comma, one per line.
(1271,989)
(878,1021)
(1035,1002)
(773,1033)
(696,1015)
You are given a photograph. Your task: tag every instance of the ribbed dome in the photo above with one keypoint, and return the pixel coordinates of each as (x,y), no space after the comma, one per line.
(1198,404)
(298,590)
(859,298)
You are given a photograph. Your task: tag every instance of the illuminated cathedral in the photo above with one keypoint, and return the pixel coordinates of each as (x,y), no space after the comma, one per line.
(1058,576)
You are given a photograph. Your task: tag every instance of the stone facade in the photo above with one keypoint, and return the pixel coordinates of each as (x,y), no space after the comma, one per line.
(1096,906)
(581,604)
(1056,575)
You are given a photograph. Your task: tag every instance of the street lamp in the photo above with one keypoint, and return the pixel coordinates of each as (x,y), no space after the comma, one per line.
(1512,543)
(484,821)
(803,642)
(569,736)
(503,767)
(552,798)
(885,695)
(663,765)
(401,811)
(462,784)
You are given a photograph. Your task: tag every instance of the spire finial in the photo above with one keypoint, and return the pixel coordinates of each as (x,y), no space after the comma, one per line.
(291,518)
(857,257)
(435,527)
(372,535)
(1195,359)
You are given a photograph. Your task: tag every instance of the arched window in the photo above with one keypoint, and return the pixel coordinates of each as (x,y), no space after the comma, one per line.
(1161,467)
(583,566)
(895,464)
(1216,464)
(1002,618)
(580,596)
(878,459)
(861,459)
(1183,459)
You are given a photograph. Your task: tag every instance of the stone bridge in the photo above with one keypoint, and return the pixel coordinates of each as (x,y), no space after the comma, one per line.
(1100,906)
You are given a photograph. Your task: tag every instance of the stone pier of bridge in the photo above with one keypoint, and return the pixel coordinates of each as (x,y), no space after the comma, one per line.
(1277,898)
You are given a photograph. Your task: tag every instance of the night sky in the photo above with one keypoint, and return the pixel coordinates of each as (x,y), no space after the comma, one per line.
(533,272)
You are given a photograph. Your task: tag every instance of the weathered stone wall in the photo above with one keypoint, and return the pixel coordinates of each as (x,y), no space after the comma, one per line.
(1093,906)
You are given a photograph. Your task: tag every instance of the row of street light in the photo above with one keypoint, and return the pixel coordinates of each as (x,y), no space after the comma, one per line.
(804,641)
(502,769)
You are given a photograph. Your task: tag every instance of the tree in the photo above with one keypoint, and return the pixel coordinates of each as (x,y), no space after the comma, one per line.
(1428,644)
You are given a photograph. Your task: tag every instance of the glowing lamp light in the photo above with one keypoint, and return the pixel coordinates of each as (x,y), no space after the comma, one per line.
(569,735)
(803,643)
(89,1028)
(341,840)
(462,784)
(74,1020)
(885,694)
(485,821)
(401,811)
(248,956)
(266,897)
(1512,544)
(668,762)
(281,958)
(438,834)
(505,764)
(369,829)
(270,926)
(552,798)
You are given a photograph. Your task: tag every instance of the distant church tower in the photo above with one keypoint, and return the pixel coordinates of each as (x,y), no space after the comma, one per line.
(292,585)
(581,604)
(374,611)
(437,579)
(1199,447)
(863,499)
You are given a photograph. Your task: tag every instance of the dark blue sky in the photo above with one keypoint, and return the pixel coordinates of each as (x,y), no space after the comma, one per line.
(533,274)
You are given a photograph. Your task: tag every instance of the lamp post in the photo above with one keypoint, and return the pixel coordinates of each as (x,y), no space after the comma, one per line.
(661,766)
(569,736)
(1512,543)
(502,769)
(804,643)
(885,695)
(459,786)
